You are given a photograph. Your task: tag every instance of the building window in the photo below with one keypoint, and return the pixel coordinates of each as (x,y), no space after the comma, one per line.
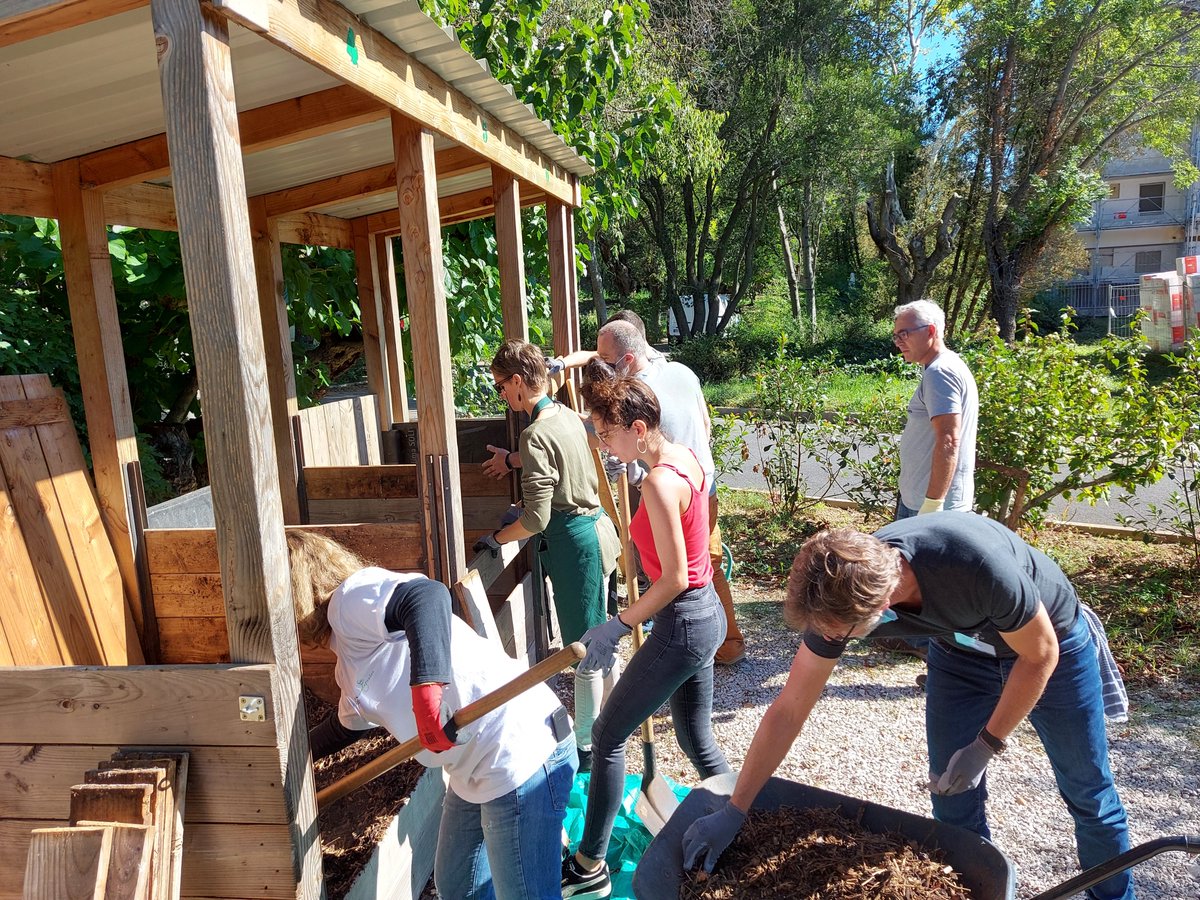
(1145,261)
(1104,258)
(1114,190)
(1150,197)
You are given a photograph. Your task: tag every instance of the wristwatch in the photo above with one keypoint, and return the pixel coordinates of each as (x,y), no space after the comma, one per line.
(508,459)
(993,743)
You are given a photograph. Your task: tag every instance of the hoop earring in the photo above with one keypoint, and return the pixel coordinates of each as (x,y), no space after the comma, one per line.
(642,446)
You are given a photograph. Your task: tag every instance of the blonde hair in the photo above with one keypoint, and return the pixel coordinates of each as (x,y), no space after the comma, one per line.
(840,578)
(318,565)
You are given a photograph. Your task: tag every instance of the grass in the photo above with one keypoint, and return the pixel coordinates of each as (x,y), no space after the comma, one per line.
(1148,595)
(846,390)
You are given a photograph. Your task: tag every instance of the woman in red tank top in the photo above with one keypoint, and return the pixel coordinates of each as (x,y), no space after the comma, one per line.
(675,664)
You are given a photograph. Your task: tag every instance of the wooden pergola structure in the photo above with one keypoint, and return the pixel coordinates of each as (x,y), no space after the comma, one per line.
(243,125)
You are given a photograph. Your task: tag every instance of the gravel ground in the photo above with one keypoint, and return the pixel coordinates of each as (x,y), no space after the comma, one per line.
(866,739)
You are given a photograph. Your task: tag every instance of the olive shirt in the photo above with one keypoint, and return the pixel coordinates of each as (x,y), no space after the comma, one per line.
(558,473)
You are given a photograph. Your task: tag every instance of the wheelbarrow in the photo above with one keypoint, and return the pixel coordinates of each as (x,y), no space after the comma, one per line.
(980,864)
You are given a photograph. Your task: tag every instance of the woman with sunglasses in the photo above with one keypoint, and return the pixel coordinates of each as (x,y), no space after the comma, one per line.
(670,531)
(561,504)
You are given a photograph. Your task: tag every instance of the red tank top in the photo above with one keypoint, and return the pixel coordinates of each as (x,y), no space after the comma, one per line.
(695,536)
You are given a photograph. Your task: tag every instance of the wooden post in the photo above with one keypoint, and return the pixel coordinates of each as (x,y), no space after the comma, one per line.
(214,234)
(368,305)
(562,272)
(101,359)
(277,343)
(421,233)
(389,303)
(509,250)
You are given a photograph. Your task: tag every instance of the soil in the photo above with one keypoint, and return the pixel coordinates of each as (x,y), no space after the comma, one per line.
(818,854)
(353,826)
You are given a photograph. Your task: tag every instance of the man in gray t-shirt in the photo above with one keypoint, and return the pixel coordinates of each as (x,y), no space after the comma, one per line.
(937,448)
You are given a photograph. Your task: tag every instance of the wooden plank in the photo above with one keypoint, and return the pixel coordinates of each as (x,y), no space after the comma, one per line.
(315,230)
(32,494)
(510,254)
(27,625)
(423,275)
(562,270)
(481,514)
(193,550)
(188,596)
(173,792)
(142,206)
(162,816)
(262,128)
(389,307)
(35,411)
(88,537)
(193,640)
(473,601)
(343,482)
(262,852)
(371,314)
(65,863)
(25,188)
(23,20)
(316,31)
(277,345)
(112,803)
(200,112)
(129,863)
(454,208)
(488,567)
(112,436)
(513,620)
(177,705)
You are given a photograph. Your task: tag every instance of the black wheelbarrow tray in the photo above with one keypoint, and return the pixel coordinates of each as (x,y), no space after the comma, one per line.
(981,866)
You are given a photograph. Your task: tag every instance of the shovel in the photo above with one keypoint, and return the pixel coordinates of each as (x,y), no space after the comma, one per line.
(656,801)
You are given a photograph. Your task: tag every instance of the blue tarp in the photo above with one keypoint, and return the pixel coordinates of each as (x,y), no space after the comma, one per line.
(629,837)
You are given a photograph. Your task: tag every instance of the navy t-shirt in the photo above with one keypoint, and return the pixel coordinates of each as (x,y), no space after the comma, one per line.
(977,578)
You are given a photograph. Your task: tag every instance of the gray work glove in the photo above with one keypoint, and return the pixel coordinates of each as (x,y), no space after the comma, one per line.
(613,468)
(487,542)
(555,365)
(964,771)
(511,514)
(601,642)
(707,837)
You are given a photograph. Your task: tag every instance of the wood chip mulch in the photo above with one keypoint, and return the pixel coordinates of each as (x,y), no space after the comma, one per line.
(808,854)
(353,826)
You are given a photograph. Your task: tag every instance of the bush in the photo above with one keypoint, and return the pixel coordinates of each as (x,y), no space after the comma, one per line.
(713,357)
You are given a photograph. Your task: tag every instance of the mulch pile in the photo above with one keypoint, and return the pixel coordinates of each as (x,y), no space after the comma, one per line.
(353,826)
(808,854)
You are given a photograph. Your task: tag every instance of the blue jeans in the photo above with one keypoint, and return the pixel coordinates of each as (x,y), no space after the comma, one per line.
(961,693)
(902,511)
(509,848)
(676,662)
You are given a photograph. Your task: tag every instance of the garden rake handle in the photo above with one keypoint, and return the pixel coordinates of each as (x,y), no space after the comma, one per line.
(551,665)
(631,584)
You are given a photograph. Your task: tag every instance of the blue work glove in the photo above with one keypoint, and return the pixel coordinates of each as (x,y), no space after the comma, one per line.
(511,515)
(964,771)
(601,642)
(487,542)
(707,837)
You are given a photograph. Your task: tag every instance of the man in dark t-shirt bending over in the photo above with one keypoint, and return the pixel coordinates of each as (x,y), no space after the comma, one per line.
(1008,641)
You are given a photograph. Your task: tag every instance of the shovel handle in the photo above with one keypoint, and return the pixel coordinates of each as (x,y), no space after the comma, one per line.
(385,762)
(631,584)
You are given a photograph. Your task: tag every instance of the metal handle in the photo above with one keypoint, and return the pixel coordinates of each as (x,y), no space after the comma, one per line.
(1188,843)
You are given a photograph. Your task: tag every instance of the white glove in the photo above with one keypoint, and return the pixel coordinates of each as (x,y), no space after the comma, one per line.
(931,505)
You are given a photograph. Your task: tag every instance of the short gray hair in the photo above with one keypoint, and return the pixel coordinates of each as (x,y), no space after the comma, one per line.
(626,339)
(926,312)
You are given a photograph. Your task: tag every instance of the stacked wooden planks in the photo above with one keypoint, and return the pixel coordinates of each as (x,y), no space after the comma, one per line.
(62,601)
(125,838)
(342,433)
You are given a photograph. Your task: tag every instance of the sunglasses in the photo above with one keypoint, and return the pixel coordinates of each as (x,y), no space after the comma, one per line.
(498,387)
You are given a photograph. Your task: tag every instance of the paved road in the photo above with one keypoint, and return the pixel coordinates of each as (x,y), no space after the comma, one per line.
(1103,513)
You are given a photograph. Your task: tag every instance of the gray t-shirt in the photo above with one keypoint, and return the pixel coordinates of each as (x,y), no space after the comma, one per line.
(683,413)
(977,579)
(946,387)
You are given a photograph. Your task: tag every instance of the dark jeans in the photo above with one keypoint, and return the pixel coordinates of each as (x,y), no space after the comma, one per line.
(961,693)
(675,663)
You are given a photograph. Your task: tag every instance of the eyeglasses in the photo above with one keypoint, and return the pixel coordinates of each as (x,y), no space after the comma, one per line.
(903,333)
(605,435)
(499,385)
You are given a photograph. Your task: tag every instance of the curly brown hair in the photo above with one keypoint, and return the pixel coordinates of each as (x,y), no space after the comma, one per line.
(521,358)
(318,566)
(621,400)
(840,578)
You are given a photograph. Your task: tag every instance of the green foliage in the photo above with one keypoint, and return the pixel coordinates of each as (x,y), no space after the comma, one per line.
(1056,423)
(728,442)
(713,357)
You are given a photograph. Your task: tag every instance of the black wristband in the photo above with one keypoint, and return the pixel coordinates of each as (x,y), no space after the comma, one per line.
(993,743)
(508,459)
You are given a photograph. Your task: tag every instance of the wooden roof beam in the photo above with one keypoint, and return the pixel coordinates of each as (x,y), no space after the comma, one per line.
(454,208)
(451,162)
(26,189)
(316,31)
(263,128)
(22,20)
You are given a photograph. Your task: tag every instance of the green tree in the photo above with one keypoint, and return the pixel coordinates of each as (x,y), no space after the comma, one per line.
(1053,91)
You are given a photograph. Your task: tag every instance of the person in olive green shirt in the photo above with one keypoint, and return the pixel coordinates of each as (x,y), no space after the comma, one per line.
(561,503)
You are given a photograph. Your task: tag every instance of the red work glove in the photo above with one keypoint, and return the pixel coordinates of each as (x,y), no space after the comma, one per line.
(427,707)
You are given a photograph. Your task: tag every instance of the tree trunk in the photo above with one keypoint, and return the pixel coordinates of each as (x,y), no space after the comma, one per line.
(789,262)
(597,283)
(1005,303)
(808,257)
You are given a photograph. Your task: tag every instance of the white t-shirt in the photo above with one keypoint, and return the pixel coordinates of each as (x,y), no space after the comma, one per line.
(683,408)
(495,754)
